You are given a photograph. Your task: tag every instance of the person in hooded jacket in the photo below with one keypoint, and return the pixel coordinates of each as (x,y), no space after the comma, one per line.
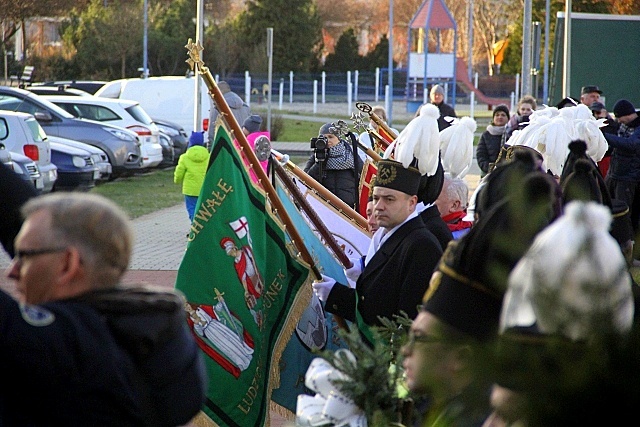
(190,171)
(78,348)
(238,107)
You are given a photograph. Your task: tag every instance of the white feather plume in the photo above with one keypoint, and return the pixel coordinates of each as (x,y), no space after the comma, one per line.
(589,131)
(456,146)
(420,140)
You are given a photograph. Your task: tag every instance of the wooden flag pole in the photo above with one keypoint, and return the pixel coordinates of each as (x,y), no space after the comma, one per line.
(214,91)
(366,108)
(322,191)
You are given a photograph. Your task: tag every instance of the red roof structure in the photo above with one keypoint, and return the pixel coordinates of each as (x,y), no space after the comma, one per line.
(433,14)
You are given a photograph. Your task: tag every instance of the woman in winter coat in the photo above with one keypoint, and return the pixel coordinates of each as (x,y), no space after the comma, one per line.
(491,139)
(340,172)
(191,170)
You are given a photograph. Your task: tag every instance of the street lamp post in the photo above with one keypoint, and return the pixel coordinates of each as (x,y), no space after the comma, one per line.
(390,65)
(145,68)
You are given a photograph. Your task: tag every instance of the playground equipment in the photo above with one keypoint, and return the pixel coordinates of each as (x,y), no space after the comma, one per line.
(428,64)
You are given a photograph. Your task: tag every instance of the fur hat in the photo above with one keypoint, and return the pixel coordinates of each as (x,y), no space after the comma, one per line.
(196,138)
(252,123)
(623,108)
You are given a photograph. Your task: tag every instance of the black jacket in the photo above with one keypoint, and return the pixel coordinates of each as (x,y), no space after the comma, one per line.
(625,160)
(14,192)
(119,357)
(343,183)
(446,110)
(488,149)
(395,279)
(436,225)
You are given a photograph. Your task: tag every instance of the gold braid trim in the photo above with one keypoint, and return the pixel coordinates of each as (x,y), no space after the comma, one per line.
(464,280)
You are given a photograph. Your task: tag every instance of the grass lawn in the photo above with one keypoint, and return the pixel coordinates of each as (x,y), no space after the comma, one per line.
(298,130)
(143,193)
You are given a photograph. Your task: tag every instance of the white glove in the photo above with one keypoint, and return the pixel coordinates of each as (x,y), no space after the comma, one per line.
(323,288)
(356,269)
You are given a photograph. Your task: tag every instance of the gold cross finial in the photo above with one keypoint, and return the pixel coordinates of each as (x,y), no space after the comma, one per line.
(194,50)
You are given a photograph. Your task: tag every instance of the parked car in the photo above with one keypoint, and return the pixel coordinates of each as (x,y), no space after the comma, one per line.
(167,97)
(168,152)
(29,175)
(56,90)
(119,112)
(99,157)
(20,133)
(178,136)
(121,145)
(90,86)
(76,170)
(23,166)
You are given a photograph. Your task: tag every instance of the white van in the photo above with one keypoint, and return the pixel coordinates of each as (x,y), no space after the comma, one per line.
(169,97)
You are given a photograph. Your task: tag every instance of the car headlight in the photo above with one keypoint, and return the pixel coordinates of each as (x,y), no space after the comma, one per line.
(78,162)
(121,134)
(168,130)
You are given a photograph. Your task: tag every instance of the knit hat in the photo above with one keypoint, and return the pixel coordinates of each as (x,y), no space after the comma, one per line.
(437,89)
(623,108)
(501,107)
(252,123)
(328,128)
(196,138)
(597,106)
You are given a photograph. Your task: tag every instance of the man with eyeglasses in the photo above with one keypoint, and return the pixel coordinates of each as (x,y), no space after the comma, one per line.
(97,353)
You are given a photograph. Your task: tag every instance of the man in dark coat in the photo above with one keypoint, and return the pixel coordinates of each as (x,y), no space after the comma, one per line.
(430,188)
(437,98)
(14,192)
(403,253)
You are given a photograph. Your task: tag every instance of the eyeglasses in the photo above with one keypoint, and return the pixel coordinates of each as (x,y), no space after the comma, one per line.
(412,339)
(21,254)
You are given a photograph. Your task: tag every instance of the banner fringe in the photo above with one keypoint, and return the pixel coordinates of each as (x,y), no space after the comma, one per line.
(282,411)
(202,420)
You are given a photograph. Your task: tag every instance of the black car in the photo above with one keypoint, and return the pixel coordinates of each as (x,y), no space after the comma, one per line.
(90,86)
(56,90)
(178,136)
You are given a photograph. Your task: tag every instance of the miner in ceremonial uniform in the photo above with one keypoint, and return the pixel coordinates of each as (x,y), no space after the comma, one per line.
(395,273)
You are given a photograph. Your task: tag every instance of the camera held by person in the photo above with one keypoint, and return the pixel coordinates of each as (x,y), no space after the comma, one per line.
(334,164)
(320,146)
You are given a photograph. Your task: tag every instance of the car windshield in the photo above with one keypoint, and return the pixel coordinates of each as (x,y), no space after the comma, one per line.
(138,113)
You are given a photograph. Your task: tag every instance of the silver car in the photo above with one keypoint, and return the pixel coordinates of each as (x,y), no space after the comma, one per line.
(121,145)
(21,134)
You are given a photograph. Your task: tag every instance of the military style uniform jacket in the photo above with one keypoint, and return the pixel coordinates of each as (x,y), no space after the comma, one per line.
(395,279)
(435,224)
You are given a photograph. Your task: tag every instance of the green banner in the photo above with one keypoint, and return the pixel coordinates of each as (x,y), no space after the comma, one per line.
(245,290)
